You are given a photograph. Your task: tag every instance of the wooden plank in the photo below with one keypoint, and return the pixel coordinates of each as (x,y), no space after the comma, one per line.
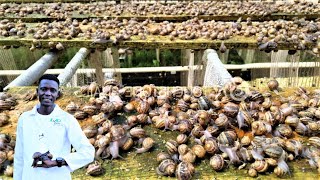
(152,42)
(184,63)
(190,55)
(170,68)
(96,63)
(49,1)
(116,64)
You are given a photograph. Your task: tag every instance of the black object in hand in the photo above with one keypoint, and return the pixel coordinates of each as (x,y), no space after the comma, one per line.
(37,156)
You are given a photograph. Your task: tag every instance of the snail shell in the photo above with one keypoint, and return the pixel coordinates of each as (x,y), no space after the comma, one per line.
(217,162)
(146,145)
(294,146)
(245,141)
(143,118)
(183,149)
(72,107)
(129,107)
(199,151)
(184,126)
(142,107)
(127,144)
(95,169)
(90,131)
(211,146)
(197,91)
(89,109)
(4,119)
(117,132)
(107,107)
(222,121)
(292,121)
(273,84)
(190,157)
(252,172)
(271,161)
(9,171)
(273,151)
(182,105)
(182,138)
(184,171)
(99,118)
(284,130)
(227,137)
(104,140)
(10,155)
(166,168)
(137,132)
(260,165)
(162,156)
(172,146)
(197,130)
(315,141)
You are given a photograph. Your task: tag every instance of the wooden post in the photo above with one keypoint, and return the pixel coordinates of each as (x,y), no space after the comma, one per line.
(294,70)
(34,72)
(198,72)
(116,63)
(184,62)
(158,54)
(129,57)
(247,55)
(72,66)
(276,57)
(95,62)
(191,68)
(74,80)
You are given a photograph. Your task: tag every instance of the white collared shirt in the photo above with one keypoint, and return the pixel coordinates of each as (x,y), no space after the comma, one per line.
(56,133)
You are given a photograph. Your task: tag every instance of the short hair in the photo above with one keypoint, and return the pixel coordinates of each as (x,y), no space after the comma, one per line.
(50,77)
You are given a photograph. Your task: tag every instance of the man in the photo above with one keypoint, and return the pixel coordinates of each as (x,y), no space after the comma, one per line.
(47,129)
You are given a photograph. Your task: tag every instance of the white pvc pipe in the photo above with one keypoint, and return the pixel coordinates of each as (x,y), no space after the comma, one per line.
(216,74)
(34,72)
(72,66)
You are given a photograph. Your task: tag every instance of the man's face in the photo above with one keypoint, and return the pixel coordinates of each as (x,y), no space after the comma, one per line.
(48,91)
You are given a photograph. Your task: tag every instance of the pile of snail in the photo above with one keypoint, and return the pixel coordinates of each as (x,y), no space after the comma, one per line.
(255,131)
(7,103)
(300,33)
(213,8)
(7,145)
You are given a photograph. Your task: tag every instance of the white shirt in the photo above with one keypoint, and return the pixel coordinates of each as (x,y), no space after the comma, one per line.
(55,132)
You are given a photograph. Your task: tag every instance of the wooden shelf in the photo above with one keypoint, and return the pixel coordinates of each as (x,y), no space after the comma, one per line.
(156,42)
(207,10)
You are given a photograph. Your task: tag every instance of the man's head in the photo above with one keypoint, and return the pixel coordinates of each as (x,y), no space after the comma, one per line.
(48,89)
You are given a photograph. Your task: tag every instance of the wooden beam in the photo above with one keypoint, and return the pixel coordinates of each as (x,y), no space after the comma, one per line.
(116,63)
(168,68)
(152,42)
(190,54)
(95,62)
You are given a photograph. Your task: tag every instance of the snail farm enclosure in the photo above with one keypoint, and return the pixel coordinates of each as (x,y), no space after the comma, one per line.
(171,89)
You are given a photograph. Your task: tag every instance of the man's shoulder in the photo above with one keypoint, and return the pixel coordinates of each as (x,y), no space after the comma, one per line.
(27,113)
(65,115)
